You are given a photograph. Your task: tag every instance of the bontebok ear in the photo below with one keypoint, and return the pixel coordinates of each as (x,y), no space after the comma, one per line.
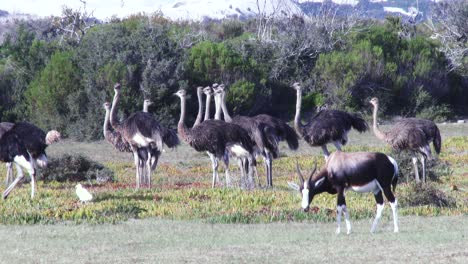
(293,185)
(299,174)
(317,183)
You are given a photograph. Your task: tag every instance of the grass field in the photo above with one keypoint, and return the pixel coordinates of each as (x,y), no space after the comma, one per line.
(421,240)
(182,219)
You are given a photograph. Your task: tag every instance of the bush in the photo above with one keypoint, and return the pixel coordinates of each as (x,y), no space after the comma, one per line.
(241,96)
(425,194)
(427,108)
(75,168)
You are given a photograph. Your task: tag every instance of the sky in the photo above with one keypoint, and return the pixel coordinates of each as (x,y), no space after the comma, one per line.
(102,8)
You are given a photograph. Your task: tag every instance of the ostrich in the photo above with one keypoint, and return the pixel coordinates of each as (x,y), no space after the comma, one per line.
(411,134)
(146,104)
(114,137)
(199,118)
(4,127)
(13,150)
(270,129)
(215,137)
(145,135)
(35,141)
(327,126)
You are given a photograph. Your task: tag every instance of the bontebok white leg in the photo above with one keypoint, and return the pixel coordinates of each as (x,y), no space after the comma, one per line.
(378,215)
(395,216)
(348,223)
(339,210)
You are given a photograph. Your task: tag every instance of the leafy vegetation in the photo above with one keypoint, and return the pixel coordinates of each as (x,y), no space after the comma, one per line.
(59,82)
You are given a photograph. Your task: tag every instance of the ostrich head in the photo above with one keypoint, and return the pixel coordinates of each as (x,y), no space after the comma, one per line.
(147,102)
(52,137)
(297,86)
(219,89)
(106,105)
(181,93)
(200,89)
(117,87)
(214,85)
(207,91)
(374,101)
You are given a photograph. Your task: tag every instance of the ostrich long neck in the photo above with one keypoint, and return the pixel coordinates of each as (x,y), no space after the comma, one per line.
(200,108)
(181,128)
(379,134)
(297,119)
(105,128)
(113,113)
(207,107)
(227,116)
(145,107)
(217,107)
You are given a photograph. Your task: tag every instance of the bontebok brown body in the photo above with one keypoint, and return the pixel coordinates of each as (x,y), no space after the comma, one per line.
(359,171)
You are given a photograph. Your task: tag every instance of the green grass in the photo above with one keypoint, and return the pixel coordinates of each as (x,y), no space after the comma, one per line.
(182,219)
(182,190)
(421,240)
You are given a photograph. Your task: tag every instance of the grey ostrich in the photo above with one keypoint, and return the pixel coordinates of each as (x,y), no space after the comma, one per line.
(35,140)
(145,135)
(327,126)
(215,137)
(411,134)
(114,137)
(25,136)
(266,131)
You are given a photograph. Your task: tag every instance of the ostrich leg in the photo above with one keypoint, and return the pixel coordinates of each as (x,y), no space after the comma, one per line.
(337,145)
(138,168)
(9,176)
(214,165)
(423,162)
(226,172)
(325,152)
(415,164)
(268,166)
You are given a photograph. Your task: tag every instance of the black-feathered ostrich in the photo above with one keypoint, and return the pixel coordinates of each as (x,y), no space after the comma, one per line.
(411,134)
(4,127)
(327,126)
(216,137)
(145,135)
(35,141)
(271,129)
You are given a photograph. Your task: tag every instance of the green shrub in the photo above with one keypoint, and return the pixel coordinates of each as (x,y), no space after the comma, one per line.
(241,95)
(75,168)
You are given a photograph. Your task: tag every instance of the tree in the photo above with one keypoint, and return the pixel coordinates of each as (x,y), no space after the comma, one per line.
(46,96)
(449,24)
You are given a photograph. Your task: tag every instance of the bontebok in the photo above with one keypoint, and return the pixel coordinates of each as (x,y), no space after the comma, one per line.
(359,171)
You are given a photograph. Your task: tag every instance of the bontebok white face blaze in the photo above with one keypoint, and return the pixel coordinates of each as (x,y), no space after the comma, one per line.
(305,196)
